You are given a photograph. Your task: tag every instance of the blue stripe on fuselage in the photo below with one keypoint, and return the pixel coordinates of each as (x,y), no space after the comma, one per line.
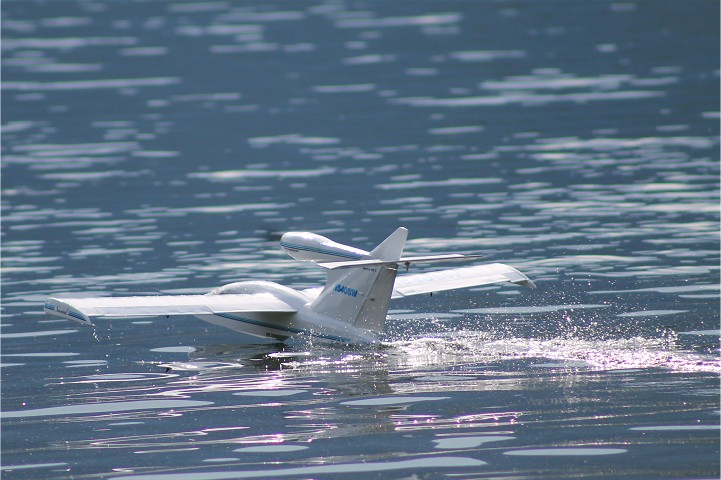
(295,246)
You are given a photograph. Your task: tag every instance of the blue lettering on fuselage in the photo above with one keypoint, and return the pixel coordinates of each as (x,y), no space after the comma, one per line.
(351,292)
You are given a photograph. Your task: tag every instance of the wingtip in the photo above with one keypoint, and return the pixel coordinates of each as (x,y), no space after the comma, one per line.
(527,283)
(59,308)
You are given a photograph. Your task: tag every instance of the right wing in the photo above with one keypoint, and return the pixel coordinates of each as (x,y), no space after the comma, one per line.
(82,309)
(450,279)
(458,278)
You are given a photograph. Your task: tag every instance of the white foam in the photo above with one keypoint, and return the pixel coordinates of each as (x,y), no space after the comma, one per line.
(603,354)
(530,310)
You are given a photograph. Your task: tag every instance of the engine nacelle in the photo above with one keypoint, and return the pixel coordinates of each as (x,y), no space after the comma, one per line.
(311,247)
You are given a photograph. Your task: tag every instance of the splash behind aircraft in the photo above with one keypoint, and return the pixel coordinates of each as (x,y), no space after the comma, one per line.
(350,308)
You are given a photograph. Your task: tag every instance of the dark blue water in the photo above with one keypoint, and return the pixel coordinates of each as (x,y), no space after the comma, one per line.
(163,146)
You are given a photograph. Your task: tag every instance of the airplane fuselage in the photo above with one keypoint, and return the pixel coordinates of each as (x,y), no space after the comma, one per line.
(281,325)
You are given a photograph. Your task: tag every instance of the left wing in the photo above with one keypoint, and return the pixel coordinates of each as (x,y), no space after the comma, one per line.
(82,309)
(453,278)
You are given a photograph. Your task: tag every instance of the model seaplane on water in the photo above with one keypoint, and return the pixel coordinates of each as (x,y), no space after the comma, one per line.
(350,308)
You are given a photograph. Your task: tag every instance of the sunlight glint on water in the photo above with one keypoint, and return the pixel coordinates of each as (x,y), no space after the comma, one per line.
(164,146)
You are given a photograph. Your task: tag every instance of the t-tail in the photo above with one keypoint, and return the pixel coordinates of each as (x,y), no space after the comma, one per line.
(360,293)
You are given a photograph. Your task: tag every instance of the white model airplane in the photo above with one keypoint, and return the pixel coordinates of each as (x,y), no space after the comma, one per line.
(351,307)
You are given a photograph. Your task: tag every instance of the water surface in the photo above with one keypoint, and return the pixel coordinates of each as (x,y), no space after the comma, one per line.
(164,146)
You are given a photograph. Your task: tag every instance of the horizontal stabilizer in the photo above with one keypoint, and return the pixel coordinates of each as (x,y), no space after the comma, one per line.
(82,309)
(403,261)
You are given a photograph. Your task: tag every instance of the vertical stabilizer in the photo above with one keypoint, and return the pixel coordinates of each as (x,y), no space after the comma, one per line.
(359,295)
(391,248)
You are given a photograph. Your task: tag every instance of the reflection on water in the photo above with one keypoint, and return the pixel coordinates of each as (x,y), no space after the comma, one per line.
(424,396)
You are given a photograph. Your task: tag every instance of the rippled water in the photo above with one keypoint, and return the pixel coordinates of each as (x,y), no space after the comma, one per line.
(163,147)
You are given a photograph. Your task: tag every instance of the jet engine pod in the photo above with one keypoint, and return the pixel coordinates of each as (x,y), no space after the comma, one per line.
(311,247)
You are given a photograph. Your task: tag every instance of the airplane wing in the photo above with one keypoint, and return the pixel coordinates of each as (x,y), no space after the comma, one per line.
(82,309)
(450,279)
(453,278)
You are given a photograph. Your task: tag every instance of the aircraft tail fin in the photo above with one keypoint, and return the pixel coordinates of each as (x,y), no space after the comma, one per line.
(391,248)
(359,295)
